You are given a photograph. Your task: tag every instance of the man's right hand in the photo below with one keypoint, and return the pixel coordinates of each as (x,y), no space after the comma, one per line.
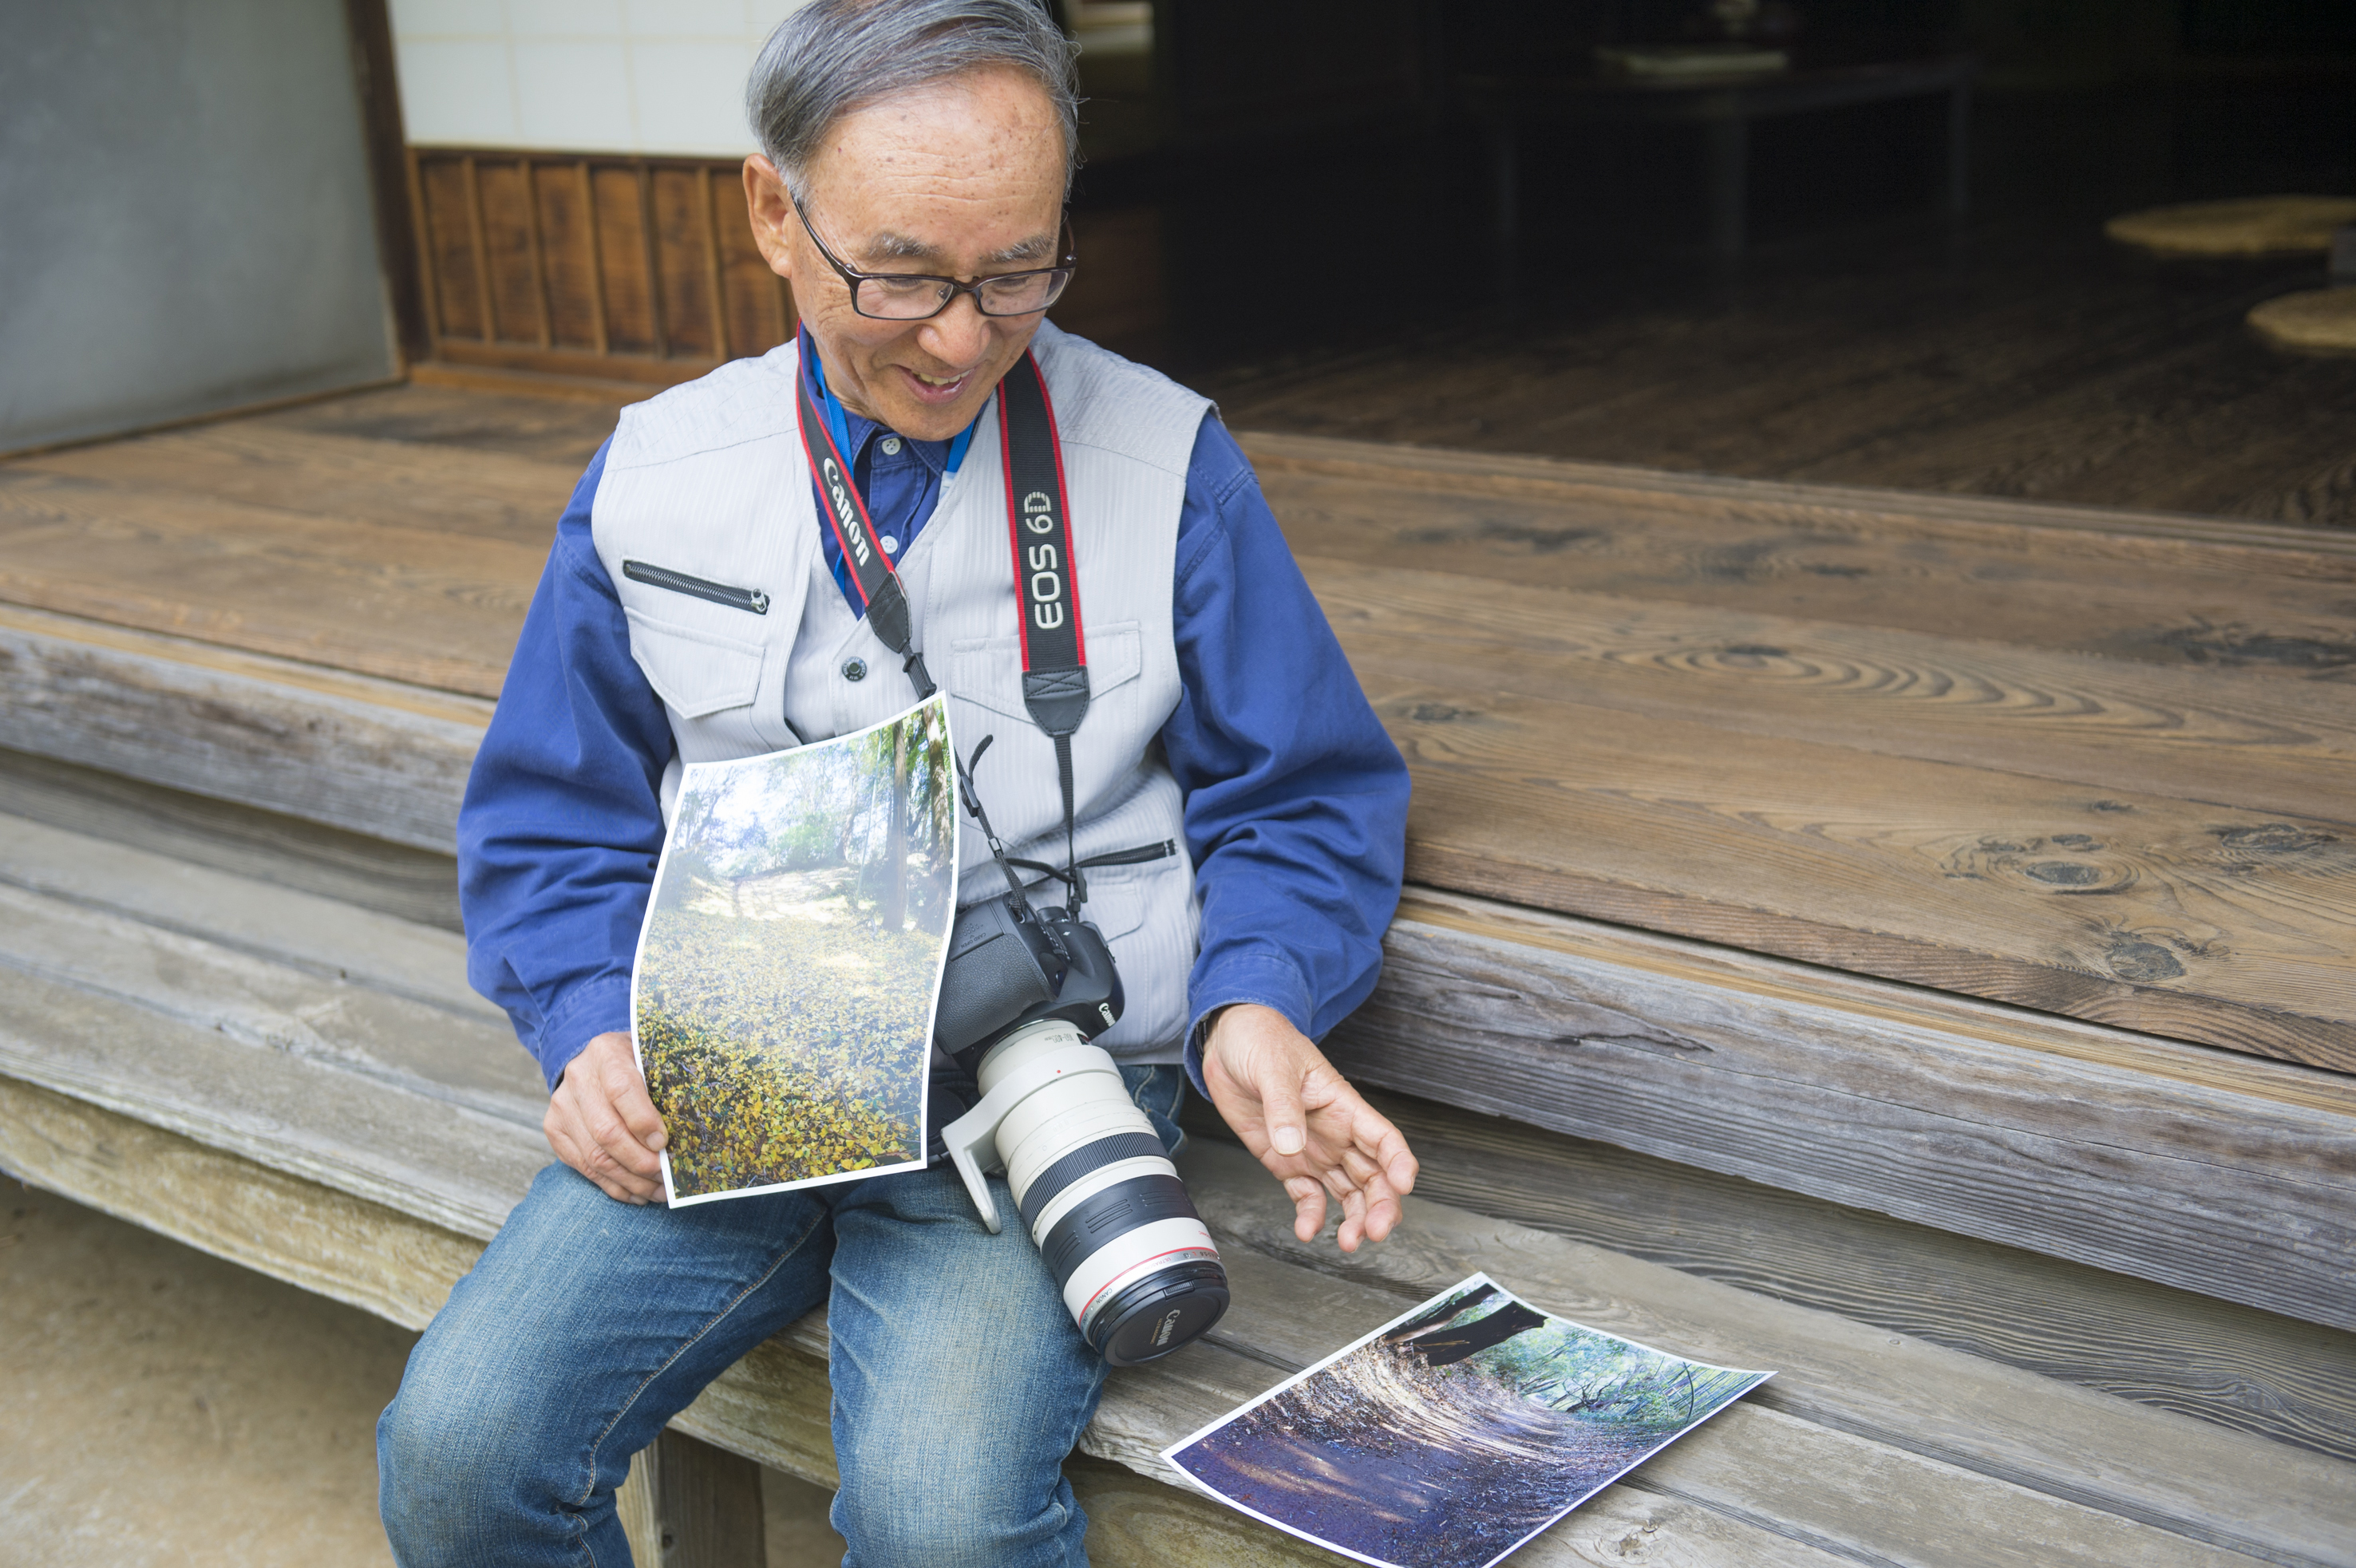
(601,1123)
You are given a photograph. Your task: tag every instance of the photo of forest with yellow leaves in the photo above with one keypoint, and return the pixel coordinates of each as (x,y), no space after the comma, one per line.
(784,990)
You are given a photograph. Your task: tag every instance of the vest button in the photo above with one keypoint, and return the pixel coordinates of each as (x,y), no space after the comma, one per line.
(854,669)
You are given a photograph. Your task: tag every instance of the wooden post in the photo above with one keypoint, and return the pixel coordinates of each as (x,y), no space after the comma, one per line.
(690,1505)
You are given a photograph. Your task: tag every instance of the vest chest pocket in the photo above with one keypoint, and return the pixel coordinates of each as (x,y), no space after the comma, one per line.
(697,672)
(988,672)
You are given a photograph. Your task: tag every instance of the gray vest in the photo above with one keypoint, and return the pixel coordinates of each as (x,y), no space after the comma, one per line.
(709,479)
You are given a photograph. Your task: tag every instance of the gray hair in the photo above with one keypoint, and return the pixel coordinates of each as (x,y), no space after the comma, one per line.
(830,58)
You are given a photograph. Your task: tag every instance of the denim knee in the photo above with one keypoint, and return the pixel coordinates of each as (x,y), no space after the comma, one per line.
(954,1514)
(460,1479)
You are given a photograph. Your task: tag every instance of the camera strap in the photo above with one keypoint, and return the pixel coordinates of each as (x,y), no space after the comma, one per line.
(1046,581)
(1046,588)
(881,599)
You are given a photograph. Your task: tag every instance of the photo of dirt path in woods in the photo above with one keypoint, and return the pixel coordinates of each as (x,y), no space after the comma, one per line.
(1452,1435)
(783,994)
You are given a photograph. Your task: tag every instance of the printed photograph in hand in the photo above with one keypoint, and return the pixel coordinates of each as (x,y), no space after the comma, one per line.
(1454,1434)
(783,997)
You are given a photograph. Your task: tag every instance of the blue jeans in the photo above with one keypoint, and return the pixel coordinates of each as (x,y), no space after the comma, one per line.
(959,1382)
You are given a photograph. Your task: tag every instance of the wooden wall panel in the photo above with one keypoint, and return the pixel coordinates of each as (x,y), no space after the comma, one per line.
(645,268)
(446,234)
(511,248)
(623,269)
(754,300)
(625,259)
(575,306)
(683,260)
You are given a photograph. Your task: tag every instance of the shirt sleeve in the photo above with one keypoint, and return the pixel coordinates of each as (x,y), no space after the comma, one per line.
(562,826)
(1296,798)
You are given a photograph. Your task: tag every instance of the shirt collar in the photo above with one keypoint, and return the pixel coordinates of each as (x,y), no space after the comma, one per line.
(851,431)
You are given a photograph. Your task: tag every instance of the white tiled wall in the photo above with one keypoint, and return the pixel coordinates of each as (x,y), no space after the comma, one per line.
(596,75)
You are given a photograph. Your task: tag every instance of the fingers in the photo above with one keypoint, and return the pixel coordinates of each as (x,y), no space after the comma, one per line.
(576,1149)
(601,1123)
(626,1090)
(1307,1206)
(1304,1122)
(1280,1083)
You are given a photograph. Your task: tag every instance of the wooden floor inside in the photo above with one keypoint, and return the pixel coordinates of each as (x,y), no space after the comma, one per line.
(2024,356)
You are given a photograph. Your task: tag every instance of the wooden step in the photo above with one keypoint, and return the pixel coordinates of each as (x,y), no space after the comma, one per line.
(256,1087)
(2063,1137)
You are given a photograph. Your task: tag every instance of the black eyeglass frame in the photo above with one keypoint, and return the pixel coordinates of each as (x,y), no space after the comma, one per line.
(851,278)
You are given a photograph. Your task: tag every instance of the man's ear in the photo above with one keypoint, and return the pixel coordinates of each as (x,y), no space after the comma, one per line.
(772,213)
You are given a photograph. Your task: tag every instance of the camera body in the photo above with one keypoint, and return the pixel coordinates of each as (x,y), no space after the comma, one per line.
(1023,993)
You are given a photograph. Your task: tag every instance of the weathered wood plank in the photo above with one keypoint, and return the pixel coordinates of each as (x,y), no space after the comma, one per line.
(2183,1182)
(2065,1443)
(251,1082)
(1283,1313)
(379,1139)
(2230,929)
(2223,737)
(354,869)
(2249,1371)
(311,474)
(2067,1140)
(562,430)
(771,1406)
(386,760)
(359,1017)
(2266,597)
(410,604)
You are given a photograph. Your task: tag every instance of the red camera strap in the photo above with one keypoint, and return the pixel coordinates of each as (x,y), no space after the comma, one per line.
(1046,578)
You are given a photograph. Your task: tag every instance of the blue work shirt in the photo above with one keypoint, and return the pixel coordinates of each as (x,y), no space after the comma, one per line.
(1296,799)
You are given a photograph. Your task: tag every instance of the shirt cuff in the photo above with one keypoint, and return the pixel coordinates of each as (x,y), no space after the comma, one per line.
(1262,977)
(600,1007)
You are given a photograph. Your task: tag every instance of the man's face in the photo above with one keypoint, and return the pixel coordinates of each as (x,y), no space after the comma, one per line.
(961,178)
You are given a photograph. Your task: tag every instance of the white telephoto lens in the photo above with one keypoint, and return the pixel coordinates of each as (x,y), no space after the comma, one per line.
(1098,1194)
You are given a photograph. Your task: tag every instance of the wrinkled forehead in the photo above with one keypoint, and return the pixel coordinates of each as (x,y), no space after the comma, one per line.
(972,166)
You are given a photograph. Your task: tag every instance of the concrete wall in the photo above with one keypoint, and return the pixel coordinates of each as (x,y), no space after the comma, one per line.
(591,75)
(185,215)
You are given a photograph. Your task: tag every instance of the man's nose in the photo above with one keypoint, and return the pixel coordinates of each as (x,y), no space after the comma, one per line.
(959,334)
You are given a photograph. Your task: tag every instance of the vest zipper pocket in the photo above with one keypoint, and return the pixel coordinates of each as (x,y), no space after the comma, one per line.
(751,599)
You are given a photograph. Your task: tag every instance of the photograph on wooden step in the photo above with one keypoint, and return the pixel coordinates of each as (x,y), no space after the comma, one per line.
(782,1000)
(1455,1434)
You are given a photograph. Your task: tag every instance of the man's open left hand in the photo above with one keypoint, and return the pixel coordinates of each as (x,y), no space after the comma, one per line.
(1302,1119)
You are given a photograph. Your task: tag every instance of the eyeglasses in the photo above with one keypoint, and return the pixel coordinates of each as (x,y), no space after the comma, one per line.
(912,297)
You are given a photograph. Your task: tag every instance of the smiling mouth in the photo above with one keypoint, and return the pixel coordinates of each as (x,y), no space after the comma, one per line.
(935,389)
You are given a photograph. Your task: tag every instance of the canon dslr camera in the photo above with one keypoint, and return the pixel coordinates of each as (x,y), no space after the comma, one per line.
(1024,991)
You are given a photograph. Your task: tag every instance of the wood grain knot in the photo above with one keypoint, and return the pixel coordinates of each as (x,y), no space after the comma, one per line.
(2064,873)
(2133,959)
(1536,541)
(2203,644)
(2273,838)
(1441,713)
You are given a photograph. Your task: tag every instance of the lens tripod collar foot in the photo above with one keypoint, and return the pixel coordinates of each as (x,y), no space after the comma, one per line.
(971,1135)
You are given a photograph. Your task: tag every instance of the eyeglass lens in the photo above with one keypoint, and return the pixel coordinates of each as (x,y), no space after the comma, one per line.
(912,299)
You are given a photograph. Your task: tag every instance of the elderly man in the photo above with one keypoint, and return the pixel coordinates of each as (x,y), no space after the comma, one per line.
(695,607)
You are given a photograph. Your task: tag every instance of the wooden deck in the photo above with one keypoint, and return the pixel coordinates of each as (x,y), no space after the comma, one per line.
(1901,940)
(2090,763)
